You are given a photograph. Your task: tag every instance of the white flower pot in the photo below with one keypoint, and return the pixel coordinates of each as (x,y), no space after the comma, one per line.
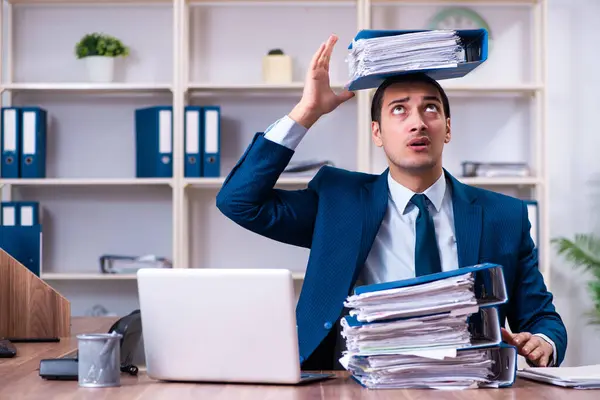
(100,69)
(277,68)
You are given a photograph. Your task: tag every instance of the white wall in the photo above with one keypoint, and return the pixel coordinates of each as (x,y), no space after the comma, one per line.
(573,118)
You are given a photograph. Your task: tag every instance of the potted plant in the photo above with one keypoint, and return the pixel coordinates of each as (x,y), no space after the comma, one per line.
(99,51)
(584,252)
(277,67)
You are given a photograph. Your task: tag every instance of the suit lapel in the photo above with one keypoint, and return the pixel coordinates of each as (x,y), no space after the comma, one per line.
(467,223)
(374,199)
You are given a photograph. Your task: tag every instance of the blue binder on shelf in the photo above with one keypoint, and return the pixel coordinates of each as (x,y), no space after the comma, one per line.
(489,287)
(10,213)
(474,42)
(534,217)
(193,158)
(19,213)
(29,213)
(10,143)
(154,142)
(34,123)
(23,243)
(211,123)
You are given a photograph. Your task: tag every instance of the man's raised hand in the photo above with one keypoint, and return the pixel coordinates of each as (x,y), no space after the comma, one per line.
(318,98)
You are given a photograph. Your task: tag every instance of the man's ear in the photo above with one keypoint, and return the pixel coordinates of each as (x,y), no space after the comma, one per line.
(448,131)
(376,134)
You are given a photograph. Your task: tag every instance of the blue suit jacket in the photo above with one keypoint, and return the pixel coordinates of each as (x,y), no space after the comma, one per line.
(338,215)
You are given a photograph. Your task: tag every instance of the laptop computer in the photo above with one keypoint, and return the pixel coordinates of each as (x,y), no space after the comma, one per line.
(220,325)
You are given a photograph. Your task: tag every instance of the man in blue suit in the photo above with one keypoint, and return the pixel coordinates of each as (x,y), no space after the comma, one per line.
(413,219)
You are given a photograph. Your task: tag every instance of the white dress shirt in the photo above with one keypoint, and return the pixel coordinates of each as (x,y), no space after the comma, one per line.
(392,256)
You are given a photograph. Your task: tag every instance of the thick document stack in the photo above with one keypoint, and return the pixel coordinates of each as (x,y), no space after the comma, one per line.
(375,55)
(435,331)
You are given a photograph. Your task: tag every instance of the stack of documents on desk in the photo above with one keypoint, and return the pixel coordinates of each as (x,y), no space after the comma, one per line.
(442,330)
(584,377)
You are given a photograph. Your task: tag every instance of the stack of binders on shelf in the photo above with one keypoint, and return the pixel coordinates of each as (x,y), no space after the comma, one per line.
(437,331)
(202,136)
(21,233)
(154,142)
(23,132)
(375,55)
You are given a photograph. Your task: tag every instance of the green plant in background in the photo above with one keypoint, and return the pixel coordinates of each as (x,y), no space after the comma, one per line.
(100,44)
(584,252)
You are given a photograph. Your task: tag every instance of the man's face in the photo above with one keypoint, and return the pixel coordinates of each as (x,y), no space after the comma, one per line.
(413,128)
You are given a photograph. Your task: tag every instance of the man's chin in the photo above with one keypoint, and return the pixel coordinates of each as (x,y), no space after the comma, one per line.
(417,166)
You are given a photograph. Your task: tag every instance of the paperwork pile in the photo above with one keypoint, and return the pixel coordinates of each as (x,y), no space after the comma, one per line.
(433,334)
(582,377)
(406,52)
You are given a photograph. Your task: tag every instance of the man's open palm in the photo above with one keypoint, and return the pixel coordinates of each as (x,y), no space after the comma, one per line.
(318,98)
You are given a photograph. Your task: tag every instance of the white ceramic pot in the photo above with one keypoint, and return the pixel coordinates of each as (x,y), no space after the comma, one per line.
(100,68)
(277,68)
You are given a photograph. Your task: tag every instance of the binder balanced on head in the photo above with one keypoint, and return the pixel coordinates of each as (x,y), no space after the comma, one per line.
(375,55)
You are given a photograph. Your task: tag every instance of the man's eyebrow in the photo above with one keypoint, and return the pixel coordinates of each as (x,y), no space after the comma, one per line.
(405,99)
(434,98)
(402,100)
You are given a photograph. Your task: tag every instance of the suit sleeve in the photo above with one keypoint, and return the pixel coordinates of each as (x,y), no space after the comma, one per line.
(249,197)
(532,310)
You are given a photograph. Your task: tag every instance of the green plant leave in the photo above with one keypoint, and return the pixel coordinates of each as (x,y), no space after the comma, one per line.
(583,251)
(100,44)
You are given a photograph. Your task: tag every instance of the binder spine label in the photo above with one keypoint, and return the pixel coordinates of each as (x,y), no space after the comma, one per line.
(29,129)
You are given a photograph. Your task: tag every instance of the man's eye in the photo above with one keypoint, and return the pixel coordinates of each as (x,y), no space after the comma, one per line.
(432,107)
(398,110)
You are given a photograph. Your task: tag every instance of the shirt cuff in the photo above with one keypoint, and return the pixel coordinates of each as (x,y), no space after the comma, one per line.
(286,132)
(551,362)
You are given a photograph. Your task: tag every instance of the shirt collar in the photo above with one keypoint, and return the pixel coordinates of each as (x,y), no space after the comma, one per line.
(401,195)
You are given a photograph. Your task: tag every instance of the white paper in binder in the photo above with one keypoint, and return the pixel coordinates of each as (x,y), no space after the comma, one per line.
(410,51)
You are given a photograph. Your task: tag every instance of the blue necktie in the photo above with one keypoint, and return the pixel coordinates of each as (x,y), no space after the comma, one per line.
(427,255)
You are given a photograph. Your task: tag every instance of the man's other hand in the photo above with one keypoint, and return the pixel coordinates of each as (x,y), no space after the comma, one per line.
(532,347)
(317,97)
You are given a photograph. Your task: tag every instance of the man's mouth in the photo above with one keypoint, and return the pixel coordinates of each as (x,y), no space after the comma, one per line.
(419,143)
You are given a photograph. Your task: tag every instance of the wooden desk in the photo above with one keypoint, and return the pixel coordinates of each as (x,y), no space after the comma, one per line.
(19,379)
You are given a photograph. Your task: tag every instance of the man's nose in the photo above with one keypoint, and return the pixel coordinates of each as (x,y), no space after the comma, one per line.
(417,123)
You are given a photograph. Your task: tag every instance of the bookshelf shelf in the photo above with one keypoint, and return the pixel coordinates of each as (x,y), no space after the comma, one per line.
(76,276)
(501,181)
(278,3)
(296,87)
(88,2)
(457,2)
(526,89)
(184,59)
(88,182)
(87,87)
(216,183)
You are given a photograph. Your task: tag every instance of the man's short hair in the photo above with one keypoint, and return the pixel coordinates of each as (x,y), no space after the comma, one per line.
(377,103)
